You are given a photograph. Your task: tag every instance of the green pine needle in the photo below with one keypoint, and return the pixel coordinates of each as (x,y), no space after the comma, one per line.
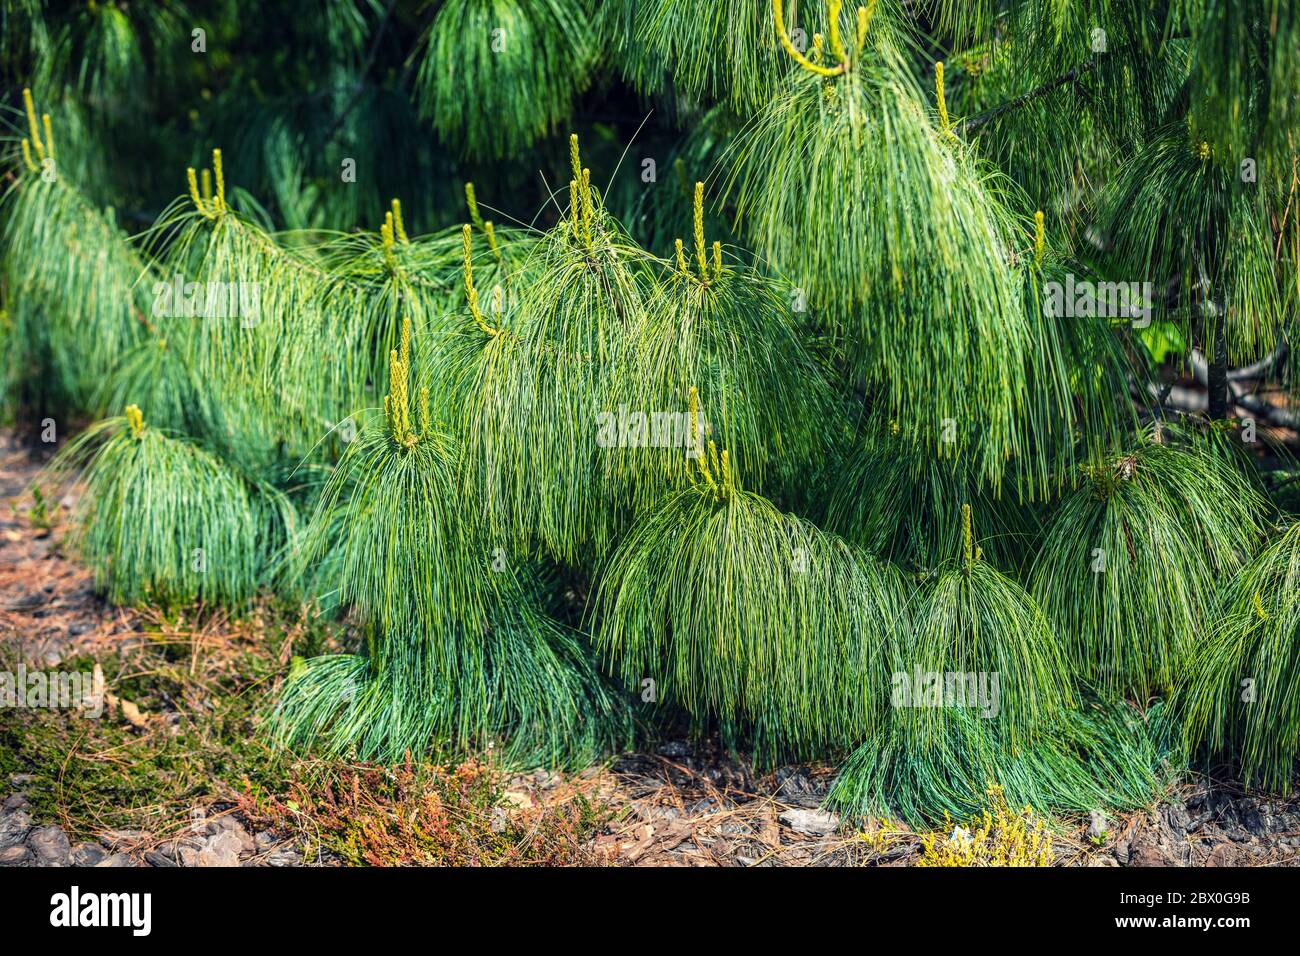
(530,419)
(1130,564)
(897,237)
(1238,694)
(1100,756)
(739,611)
(162,520)
(495,75)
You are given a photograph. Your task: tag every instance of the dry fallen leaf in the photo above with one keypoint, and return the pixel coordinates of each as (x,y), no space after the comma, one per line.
(129,710)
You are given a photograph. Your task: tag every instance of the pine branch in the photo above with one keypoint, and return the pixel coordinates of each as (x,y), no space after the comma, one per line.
(1193,401)
(360,86)
(1072,76)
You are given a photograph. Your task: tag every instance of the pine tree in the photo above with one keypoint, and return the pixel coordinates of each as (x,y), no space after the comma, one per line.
(861,348)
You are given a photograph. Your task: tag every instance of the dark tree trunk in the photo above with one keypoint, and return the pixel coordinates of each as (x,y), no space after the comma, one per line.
(1217,378)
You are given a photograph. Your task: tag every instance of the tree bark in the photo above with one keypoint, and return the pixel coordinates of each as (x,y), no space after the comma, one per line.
(1220,406)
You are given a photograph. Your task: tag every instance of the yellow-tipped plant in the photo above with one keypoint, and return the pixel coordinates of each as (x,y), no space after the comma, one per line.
(730,52)
(531,417)
(75,286)
(844,183)
(135,419)
(722,335)
(458,656)
(471,293)
(941,100)
(162,520)
(209,205)
(33,131)
(750,617)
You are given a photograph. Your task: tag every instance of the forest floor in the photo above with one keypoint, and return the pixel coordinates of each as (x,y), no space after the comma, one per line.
(176,772)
